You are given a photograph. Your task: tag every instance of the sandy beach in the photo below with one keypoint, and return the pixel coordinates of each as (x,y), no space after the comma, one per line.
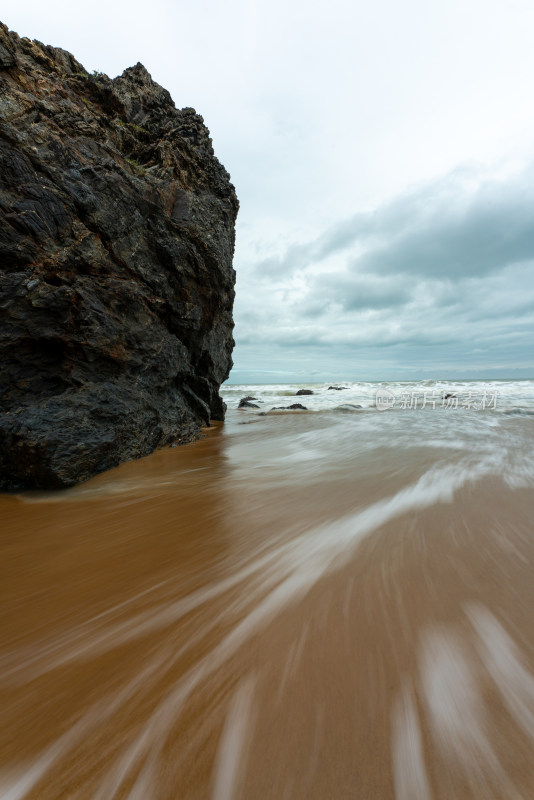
(295,607)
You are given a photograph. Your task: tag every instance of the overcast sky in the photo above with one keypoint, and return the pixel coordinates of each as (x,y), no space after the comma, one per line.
(383,155)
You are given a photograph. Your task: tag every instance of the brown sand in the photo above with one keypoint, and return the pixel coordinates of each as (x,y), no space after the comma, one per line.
(191,627)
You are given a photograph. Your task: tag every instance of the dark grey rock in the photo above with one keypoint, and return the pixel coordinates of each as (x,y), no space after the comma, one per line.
(116,279)
(303,391)
(247,404)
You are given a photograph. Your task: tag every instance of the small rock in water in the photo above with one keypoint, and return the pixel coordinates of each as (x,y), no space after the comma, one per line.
(338,388)
(304,391)
(348,407)
(246,404)
(294,407)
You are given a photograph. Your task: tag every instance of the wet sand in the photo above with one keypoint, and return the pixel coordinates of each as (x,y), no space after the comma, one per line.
(223,621)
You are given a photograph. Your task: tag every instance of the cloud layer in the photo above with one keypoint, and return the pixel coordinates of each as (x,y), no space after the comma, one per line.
(447,266)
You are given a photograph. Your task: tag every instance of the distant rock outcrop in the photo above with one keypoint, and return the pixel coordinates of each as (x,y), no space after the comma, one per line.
(116,279)
(292,407)
(245,403)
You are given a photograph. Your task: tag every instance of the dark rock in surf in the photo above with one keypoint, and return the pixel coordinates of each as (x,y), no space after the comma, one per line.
(293,407)
(247,404)
(338,388)
(303,391)
(116,279)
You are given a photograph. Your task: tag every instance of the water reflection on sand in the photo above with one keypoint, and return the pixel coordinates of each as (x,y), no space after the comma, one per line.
(303,607)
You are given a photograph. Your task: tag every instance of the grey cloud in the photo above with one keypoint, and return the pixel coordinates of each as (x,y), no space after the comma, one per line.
(385,223)
(441,276)
(491,234)
(339,237)
(441,228)
(355,293)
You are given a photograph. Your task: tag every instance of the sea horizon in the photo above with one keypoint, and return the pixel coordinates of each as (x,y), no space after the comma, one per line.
(376,380)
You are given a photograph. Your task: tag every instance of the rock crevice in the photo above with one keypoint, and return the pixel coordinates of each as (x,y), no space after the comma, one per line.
(117,226)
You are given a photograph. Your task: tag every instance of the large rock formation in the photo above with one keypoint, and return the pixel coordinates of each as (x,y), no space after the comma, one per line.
(116,279)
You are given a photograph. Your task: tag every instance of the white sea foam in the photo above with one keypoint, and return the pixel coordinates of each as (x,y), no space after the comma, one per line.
(231,756)
(503,660)
(409,770)
(509,394)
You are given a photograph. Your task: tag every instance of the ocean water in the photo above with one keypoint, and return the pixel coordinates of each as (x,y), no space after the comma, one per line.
(307,604)
(501,396)
(474,427)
